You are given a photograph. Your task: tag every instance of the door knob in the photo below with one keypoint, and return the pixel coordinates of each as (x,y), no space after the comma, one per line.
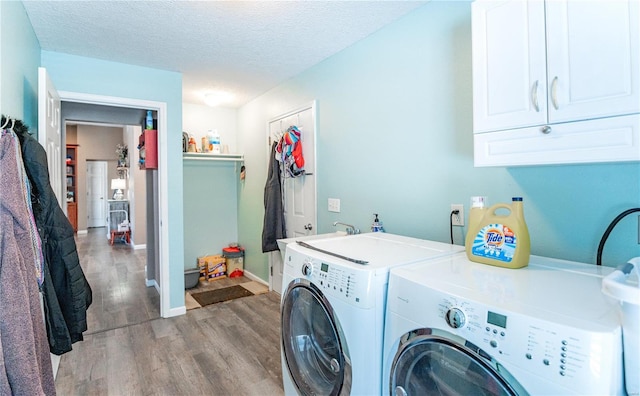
(308,227)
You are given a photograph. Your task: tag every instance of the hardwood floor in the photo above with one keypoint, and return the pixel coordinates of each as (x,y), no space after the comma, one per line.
(230,348)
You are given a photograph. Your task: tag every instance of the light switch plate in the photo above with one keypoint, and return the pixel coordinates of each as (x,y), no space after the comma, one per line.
(334,205)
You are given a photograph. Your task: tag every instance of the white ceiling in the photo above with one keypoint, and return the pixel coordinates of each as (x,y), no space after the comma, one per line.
(243,47)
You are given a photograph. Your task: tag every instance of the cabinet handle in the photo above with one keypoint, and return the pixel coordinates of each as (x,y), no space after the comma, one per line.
(546,129)
(534,96)
(554,92)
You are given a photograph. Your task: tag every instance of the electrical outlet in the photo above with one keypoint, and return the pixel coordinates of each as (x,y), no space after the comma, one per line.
(457,219)
(334,205)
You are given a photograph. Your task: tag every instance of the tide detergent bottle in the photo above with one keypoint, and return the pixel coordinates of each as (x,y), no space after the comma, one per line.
(495,238)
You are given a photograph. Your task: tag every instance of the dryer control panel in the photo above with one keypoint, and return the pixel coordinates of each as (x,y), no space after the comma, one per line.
(563,354)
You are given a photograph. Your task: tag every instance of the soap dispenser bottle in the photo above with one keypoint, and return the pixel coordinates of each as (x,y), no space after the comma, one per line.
(377,224)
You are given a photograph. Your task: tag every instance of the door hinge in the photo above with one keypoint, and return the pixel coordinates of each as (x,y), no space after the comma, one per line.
(271,271)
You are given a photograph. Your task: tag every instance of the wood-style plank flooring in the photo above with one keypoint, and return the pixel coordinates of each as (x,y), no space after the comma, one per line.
(230,348)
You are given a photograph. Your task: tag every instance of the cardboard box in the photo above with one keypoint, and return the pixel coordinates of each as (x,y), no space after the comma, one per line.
(215,266)
(202,266)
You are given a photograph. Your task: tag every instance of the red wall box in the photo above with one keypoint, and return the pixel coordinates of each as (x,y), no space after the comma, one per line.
(148,146)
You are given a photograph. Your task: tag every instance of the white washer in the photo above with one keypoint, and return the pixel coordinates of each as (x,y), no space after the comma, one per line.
(458,327)
(333,310)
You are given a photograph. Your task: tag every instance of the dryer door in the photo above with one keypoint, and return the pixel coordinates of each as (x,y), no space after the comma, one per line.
(435,362)
(312,341)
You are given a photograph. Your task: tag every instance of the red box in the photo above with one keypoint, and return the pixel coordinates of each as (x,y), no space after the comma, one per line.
(148,146)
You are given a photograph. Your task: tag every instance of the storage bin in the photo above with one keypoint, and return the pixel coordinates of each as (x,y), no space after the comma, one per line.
(191,277)
(235,261)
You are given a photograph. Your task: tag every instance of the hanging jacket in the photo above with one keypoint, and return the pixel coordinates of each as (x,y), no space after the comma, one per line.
(66,292)
(273,227)
(25,364)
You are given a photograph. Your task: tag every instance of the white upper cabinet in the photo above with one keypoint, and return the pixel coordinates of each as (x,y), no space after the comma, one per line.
(538,64)
(592,59)
(509,67)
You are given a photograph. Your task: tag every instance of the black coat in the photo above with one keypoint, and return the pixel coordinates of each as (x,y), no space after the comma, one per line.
(66,292)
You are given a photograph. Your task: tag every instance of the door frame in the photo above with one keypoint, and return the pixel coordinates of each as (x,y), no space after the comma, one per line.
(313,106)
(163,185)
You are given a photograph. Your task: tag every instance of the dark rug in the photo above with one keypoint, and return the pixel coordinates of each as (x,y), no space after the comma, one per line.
(220,295)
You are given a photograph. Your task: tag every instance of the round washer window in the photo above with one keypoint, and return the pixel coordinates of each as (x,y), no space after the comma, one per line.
(311,342)
(431,365)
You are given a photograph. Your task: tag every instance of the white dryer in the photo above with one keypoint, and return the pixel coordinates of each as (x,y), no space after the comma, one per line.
(333,310)
(457,327)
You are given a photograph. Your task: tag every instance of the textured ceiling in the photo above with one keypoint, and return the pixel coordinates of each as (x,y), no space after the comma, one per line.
(243,47)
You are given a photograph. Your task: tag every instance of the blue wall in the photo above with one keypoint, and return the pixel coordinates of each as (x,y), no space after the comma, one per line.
(19,62)
(93,76)
(210,209)
(395,138)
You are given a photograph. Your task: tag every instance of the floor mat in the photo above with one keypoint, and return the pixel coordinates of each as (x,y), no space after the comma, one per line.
(220,295)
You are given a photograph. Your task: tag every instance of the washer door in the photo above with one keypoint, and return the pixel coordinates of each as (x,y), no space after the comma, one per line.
(434,362)
(312,341)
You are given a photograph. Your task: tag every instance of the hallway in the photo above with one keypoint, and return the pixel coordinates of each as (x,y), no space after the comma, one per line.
(117,278)
(225,348)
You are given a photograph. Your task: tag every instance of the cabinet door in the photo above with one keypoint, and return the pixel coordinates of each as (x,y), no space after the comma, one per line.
(509,69)
(592,55)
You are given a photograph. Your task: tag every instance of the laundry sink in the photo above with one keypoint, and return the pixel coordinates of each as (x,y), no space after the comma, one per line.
(282,243)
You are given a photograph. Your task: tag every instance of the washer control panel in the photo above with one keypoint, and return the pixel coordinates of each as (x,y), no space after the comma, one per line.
(346,282)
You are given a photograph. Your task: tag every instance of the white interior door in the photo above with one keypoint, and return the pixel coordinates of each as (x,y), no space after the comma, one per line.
(96,194)
(50,134)
(299,193)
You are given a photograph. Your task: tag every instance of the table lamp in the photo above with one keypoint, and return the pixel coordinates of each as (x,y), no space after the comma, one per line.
(118,185)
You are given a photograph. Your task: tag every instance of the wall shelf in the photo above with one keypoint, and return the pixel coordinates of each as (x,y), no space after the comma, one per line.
(213,157)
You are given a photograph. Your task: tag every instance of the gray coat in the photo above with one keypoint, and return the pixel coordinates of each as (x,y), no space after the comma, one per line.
(24,351)
(274,226)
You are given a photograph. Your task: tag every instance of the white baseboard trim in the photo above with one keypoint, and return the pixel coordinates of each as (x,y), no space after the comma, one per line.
(152,282)
(177,311)
(82,232)
(138,247)
(255,278)
(173,311)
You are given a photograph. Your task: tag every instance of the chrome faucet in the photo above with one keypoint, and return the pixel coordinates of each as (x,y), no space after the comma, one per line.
(351,230)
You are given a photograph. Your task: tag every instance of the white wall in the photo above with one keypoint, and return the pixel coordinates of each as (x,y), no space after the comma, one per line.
(198,119)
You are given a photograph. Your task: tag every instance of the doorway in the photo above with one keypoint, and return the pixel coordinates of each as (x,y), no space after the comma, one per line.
(96,193)
(158,248)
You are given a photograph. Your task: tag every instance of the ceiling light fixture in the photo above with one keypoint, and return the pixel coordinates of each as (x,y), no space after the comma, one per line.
(217,98)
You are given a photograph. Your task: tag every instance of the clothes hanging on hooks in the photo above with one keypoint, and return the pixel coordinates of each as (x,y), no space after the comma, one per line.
(5,123)
(65,291)
(275,138)
(289,152)
(273,227)
(24,357)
